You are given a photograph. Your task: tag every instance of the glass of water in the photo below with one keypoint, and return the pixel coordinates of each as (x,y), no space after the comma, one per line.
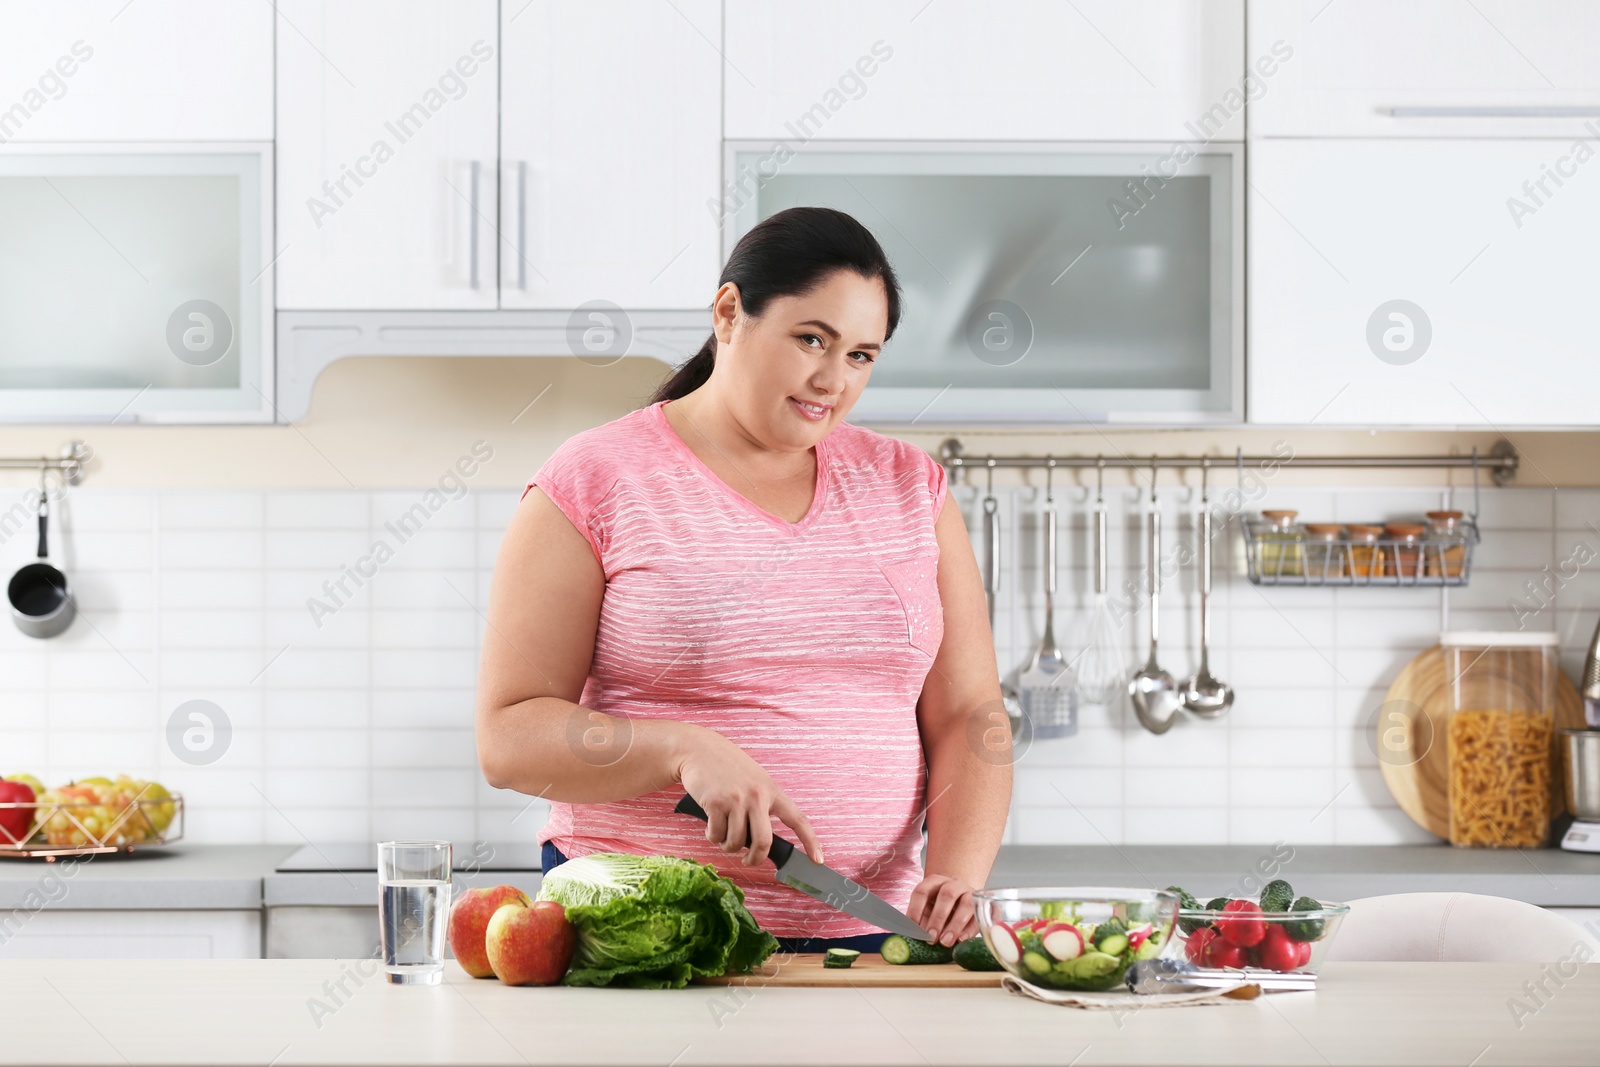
(413,907)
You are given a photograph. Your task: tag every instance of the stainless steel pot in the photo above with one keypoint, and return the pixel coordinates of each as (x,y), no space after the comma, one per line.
(41,599)
(1581,752)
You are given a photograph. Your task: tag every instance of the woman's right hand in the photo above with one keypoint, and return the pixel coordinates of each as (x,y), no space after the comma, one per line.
(739,798)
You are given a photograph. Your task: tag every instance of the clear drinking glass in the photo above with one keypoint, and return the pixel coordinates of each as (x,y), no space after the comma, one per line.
(413,906)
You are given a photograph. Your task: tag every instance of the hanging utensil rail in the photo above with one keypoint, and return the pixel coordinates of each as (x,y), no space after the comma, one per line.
(1501,463)
(70,463)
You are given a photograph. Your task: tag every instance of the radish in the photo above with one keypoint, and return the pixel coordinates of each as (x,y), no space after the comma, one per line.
(1003,941)
(1138,934)
(1062,941)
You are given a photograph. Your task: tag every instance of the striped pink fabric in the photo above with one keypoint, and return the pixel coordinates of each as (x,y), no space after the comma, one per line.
(806,644)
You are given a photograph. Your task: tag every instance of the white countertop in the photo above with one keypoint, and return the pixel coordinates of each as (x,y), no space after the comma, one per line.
(262,1012)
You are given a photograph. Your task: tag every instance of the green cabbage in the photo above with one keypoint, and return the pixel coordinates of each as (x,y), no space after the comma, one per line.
(653,922)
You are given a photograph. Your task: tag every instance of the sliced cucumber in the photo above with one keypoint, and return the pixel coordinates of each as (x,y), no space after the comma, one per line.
(906,950)
(1036,962)
(839,957)
(974,955)
(1113,944)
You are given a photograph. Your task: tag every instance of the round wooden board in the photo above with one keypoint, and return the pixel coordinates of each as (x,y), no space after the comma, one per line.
(1413,716)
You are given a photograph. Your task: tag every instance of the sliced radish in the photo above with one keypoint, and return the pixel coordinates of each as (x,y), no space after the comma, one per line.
(1138,934)
(1003,942)
(1062,941)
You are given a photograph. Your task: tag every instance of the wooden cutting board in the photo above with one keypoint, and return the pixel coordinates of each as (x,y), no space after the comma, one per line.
(1413,716)
(806,969)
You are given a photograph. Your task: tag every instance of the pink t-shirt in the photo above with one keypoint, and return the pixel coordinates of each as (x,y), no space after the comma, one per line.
(806,644)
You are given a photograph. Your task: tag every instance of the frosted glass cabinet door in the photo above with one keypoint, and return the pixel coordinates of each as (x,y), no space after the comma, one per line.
(1041,283)
(133,285)
(1423,283)
(611,147)
(387,115)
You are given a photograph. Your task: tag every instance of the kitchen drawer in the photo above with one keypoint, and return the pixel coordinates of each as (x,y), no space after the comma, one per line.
(1426,68)
(168,935)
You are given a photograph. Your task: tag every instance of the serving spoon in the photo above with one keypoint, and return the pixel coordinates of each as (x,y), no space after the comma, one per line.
(1152,691)
(1203,694)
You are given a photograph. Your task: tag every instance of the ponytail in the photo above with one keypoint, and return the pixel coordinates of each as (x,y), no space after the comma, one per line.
(691,375)
(789,254)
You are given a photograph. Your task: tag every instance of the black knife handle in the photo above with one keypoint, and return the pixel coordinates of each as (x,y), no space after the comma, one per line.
(780,851)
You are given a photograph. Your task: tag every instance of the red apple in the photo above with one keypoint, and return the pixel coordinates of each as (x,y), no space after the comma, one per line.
(531,944)
(15,822)
(469,923)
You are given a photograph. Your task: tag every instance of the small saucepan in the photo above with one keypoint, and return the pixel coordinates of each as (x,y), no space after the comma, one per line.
(41,599)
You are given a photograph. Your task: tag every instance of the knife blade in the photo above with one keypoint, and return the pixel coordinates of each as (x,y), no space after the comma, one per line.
(823,883)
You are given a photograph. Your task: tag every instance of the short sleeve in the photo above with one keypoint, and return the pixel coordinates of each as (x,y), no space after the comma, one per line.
(937,481)
(578,481)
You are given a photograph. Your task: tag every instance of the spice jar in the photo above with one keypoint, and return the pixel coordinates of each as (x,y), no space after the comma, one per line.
(1405,549)
(1325,551)
(1366,554)
(1446,550)
(1499,737)
(1281,545)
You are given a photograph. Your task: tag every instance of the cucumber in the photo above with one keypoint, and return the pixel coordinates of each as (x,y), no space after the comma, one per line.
(974,955)
(1277,896)
(1304,929)
(903,950)
(1112,927)
(1216,903)
(1186,902)
(839,957)
(1112,945)
(1036,962)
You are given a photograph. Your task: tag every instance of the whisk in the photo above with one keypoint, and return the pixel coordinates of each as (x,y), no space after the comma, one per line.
(1102,673)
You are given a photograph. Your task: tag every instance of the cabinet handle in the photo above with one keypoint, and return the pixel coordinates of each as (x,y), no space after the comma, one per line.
(472,245)
(1491,112)
(522,225)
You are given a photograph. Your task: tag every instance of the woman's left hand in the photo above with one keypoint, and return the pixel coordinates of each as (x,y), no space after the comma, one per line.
(943,906)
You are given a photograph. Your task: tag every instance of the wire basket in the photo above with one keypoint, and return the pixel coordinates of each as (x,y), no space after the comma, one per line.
(1271,559)
(92,827)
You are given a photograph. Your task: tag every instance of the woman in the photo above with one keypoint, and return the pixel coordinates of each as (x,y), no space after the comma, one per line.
(733,593)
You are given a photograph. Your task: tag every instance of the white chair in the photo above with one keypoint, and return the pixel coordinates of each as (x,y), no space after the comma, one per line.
(1454,928)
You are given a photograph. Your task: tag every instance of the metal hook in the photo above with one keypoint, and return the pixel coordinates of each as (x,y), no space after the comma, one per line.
(1049,487)
(1475,497)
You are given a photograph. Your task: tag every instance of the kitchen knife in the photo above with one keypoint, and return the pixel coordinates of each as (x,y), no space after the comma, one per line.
(799,871)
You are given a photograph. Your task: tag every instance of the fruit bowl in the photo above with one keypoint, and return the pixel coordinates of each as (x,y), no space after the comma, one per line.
(1074,937)
(89,817)
(1289,941)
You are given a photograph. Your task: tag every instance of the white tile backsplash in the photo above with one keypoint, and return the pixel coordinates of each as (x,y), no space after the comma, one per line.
(359,723)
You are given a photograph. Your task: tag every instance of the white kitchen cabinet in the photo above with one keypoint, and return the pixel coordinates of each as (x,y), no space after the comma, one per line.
(155,70)
(1427,68)
(610,145)
(387,148)
(169,935)
(1498,280)
(1125,70)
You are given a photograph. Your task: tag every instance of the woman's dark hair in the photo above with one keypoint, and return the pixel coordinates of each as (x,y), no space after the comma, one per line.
(789,254)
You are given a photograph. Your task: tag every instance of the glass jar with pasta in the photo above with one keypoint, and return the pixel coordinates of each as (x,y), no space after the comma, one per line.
(1499,737)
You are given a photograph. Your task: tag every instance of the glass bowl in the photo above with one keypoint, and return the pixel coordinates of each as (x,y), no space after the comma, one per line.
(1074,937)
(1290,941)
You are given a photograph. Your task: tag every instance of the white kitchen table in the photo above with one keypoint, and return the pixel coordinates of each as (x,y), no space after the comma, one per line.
(284,1012)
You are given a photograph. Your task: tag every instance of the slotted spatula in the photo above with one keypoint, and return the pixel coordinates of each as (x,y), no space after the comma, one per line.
(1047,689)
